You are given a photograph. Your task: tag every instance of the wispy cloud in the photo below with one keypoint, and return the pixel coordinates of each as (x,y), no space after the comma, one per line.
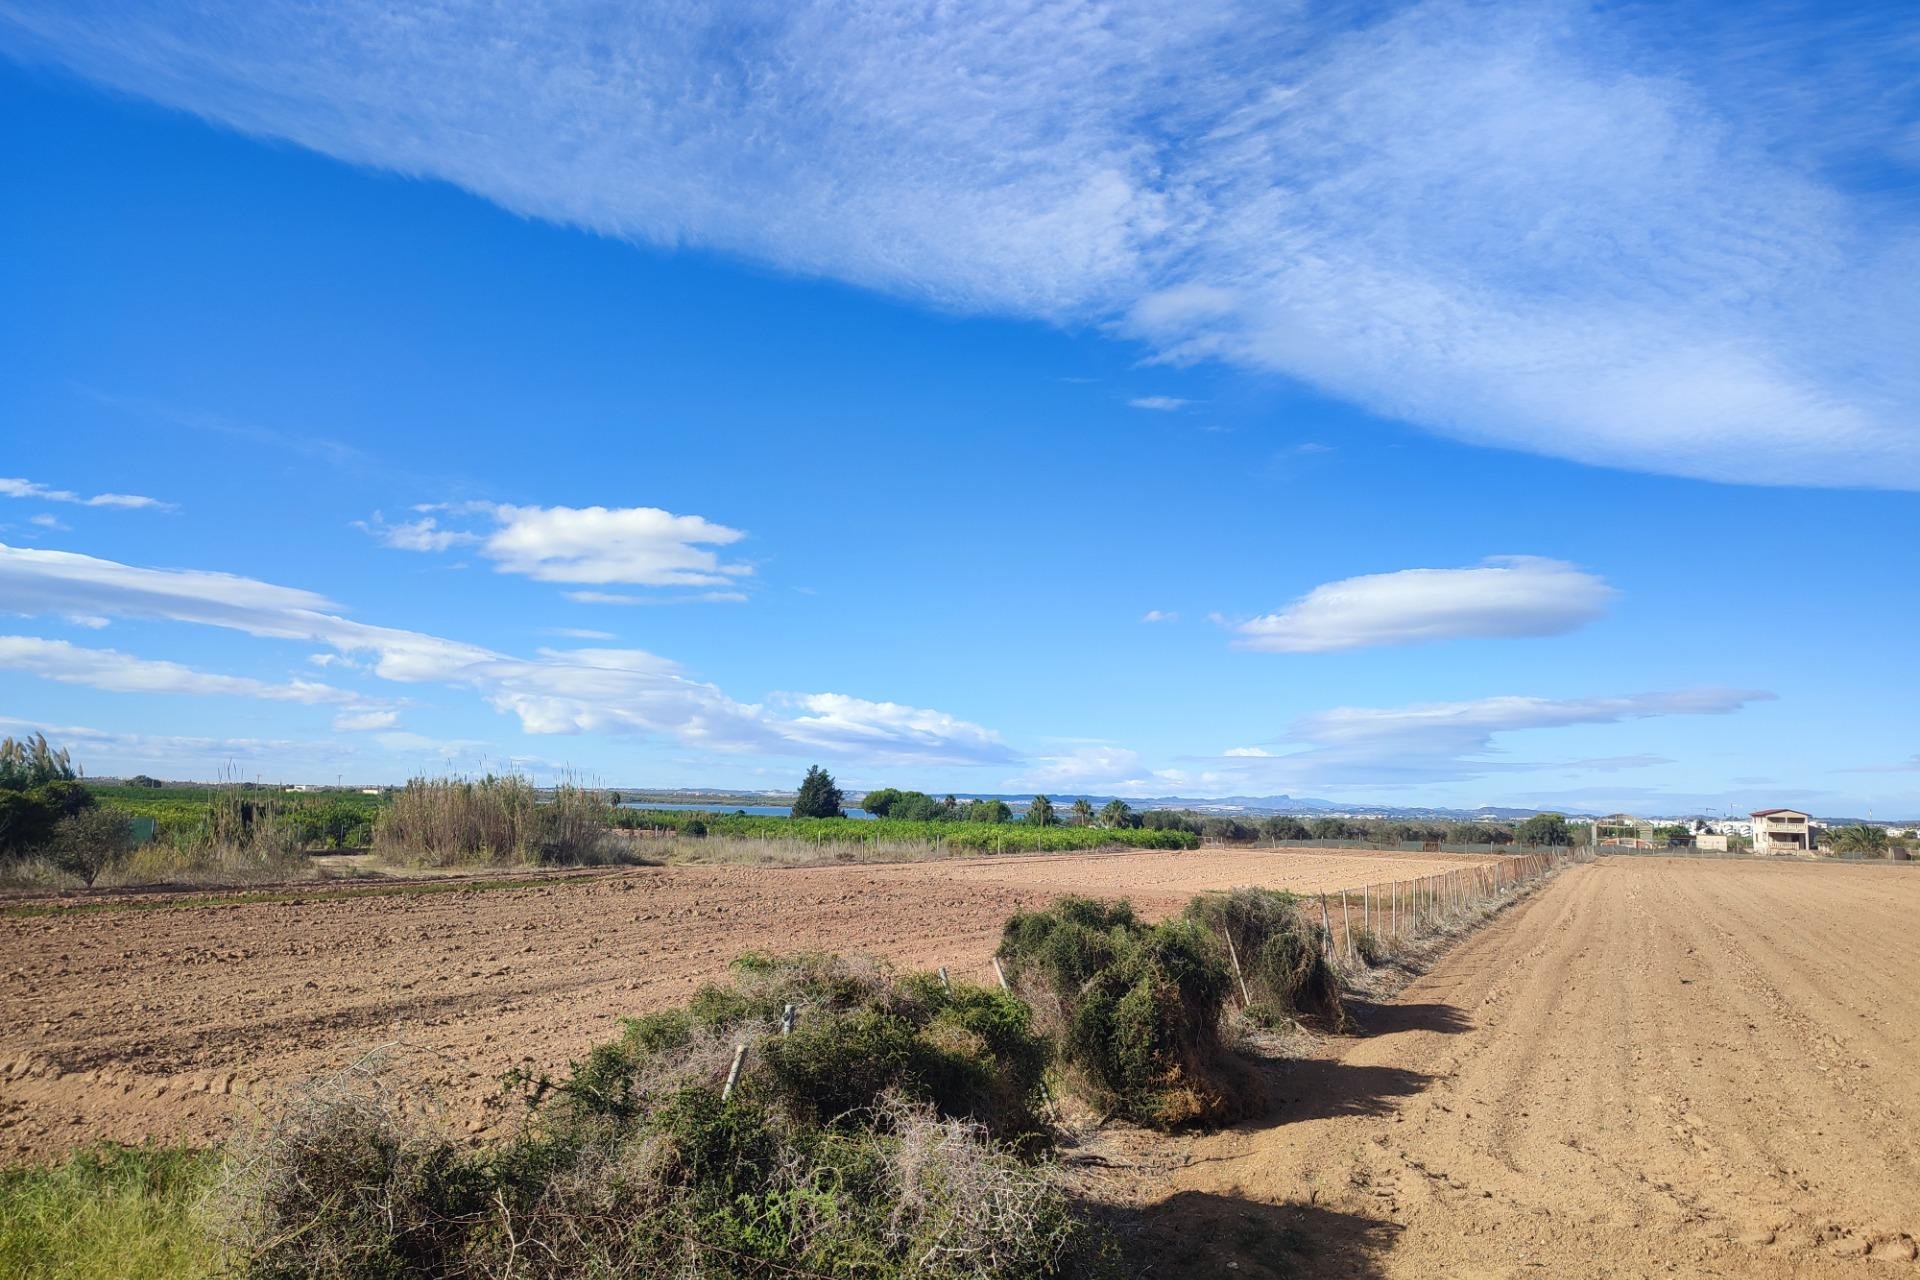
(624,597)
(1525,225)
(17,488)
(1503,596)
(577,633)
(556,691)
(1160,615)
(1910,765)
(117,672)
(1159,404)
(1347,748)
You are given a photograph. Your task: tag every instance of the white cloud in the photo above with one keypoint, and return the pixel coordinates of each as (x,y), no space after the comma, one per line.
(1159,615)
(644,546)
(1527,225)
(46,521)
(1503,596)
(1161,404)
(577,633)
(556,691)
(1247,753)
(116,672)
(888,731)
(637,546)
(17,488)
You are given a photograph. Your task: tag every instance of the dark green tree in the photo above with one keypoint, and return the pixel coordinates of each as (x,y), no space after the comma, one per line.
(915,806)
(1082,812)
(989,811)
(1040,812)
(1117,814)
(1284,827)
(880,801)
(1544,828)
(819,797)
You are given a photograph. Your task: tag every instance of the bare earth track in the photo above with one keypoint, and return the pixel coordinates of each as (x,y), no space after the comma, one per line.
(1653,1067)
(127,1024)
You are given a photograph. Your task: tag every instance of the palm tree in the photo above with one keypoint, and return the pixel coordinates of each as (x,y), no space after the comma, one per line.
(1082,812)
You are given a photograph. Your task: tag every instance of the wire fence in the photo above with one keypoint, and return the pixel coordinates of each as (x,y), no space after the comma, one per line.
(1389,914)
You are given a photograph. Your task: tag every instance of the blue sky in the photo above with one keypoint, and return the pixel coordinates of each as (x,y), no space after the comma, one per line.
(1445,404)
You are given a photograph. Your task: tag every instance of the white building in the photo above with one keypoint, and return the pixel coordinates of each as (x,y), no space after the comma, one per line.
(1781,831)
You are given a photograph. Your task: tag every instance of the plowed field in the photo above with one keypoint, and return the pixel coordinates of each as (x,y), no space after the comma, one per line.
(1653,1067)
(127,1023)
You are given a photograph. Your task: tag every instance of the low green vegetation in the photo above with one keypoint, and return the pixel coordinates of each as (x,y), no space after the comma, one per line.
(328,819)
(109,1213)
(959,837)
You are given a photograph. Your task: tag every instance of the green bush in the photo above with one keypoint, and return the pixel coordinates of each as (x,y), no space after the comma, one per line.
(1281,953)
(876,1140)
(1137,1010)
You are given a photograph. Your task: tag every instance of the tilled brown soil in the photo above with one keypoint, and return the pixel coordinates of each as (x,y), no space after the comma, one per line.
(1653,1067)
(129,1024)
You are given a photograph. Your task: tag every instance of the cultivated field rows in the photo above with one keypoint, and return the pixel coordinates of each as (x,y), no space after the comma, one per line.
(128,1024)
(1653,1067)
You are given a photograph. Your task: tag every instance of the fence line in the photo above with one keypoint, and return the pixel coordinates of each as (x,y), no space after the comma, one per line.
(1395,912)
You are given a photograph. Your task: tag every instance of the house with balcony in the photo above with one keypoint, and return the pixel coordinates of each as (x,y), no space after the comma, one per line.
(1782,831)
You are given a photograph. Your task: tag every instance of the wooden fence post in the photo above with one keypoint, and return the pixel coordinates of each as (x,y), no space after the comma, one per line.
(1346,925)
(733,1072)
(1246,1001)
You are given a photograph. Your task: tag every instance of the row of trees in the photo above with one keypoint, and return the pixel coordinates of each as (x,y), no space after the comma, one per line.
(821,797)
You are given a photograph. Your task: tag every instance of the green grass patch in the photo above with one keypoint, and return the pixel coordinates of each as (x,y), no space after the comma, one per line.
(109,1213)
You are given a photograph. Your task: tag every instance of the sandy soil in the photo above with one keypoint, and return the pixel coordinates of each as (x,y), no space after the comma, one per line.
(1654,1067)
(127,1024)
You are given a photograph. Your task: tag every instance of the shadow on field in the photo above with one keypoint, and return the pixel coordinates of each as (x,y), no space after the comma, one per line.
(1384,1018)
(1316,1089)
(1195,1234)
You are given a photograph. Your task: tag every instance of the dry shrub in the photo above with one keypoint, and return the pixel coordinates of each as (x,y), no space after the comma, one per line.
(340,1185)
(849,1148)
(1281,952)
(1136,1008)
(449,822)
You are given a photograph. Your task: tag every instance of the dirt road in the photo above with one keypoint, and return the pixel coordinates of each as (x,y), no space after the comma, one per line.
(128,1024)
(1654,1067)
